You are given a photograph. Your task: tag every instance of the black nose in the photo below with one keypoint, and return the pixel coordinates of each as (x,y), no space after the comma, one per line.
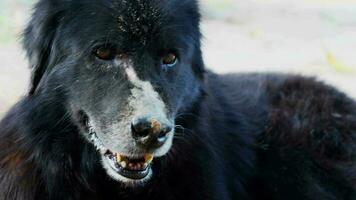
(150,132)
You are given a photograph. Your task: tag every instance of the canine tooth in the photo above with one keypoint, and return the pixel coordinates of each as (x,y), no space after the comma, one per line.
(119,158)
(123,164)
(148,158)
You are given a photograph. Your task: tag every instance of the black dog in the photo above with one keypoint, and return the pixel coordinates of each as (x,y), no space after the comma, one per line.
(120,107)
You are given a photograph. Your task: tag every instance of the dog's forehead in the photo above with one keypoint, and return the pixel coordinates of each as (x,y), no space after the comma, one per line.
(132,24)
(139,11)
(135,21)
(138,17)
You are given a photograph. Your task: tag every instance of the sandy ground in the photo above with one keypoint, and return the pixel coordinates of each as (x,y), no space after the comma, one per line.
(309,37)
(312,38)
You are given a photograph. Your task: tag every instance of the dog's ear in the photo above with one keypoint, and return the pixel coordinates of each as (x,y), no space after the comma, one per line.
(38,38)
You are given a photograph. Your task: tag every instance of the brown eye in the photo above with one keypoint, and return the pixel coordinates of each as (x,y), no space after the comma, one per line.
(105,53)
(169,60)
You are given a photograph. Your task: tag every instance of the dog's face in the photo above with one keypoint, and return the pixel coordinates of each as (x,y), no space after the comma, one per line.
(127,68)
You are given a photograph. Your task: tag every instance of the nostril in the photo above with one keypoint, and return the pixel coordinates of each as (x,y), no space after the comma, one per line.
(162,135)
(140,129)
(164,132)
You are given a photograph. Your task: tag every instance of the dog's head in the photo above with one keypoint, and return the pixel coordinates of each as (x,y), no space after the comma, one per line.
(126,68)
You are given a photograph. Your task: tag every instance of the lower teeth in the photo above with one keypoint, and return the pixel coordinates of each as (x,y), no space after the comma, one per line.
(123,164)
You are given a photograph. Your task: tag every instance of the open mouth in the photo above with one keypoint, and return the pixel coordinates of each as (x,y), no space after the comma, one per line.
(132,168)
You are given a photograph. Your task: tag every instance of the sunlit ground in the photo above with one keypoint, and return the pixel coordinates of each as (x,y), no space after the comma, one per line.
(311,37)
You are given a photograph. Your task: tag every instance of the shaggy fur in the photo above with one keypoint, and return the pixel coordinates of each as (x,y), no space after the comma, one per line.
(247,136)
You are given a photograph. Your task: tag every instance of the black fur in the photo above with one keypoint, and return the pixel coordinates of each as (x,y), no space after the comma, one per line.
(247,136)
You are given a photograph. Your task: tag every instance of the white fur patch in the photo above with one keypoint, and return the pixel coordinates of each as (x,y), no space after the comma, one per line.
(144,101)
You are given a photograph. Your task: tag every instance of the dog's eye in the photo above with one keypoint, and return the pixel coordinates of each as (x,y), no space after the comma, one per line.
(105,52)
(169,60)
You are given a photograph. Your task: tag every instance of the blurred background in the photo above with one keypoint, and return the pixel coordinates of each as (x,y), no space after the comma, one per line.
(309,37)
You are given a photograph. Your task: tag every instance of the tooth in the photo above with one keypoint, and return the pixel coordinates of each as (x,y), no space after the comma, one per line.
(123,164)
(148,158)
(119,158)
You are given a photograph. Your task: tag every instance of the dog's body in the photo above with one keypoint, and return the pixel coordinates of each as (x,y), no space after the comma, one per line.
(245,136)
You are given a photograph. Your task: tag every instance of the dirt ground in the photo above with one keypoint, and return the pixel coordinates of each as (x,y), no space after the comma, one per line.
(308,37)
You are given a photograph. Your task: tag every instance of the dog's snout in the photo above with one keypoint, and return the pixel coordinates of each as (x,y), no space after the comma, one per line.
(149,132)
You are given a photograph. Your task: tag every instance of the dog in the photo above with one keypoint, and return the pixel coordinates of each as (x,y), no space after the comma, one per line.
(120,106)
